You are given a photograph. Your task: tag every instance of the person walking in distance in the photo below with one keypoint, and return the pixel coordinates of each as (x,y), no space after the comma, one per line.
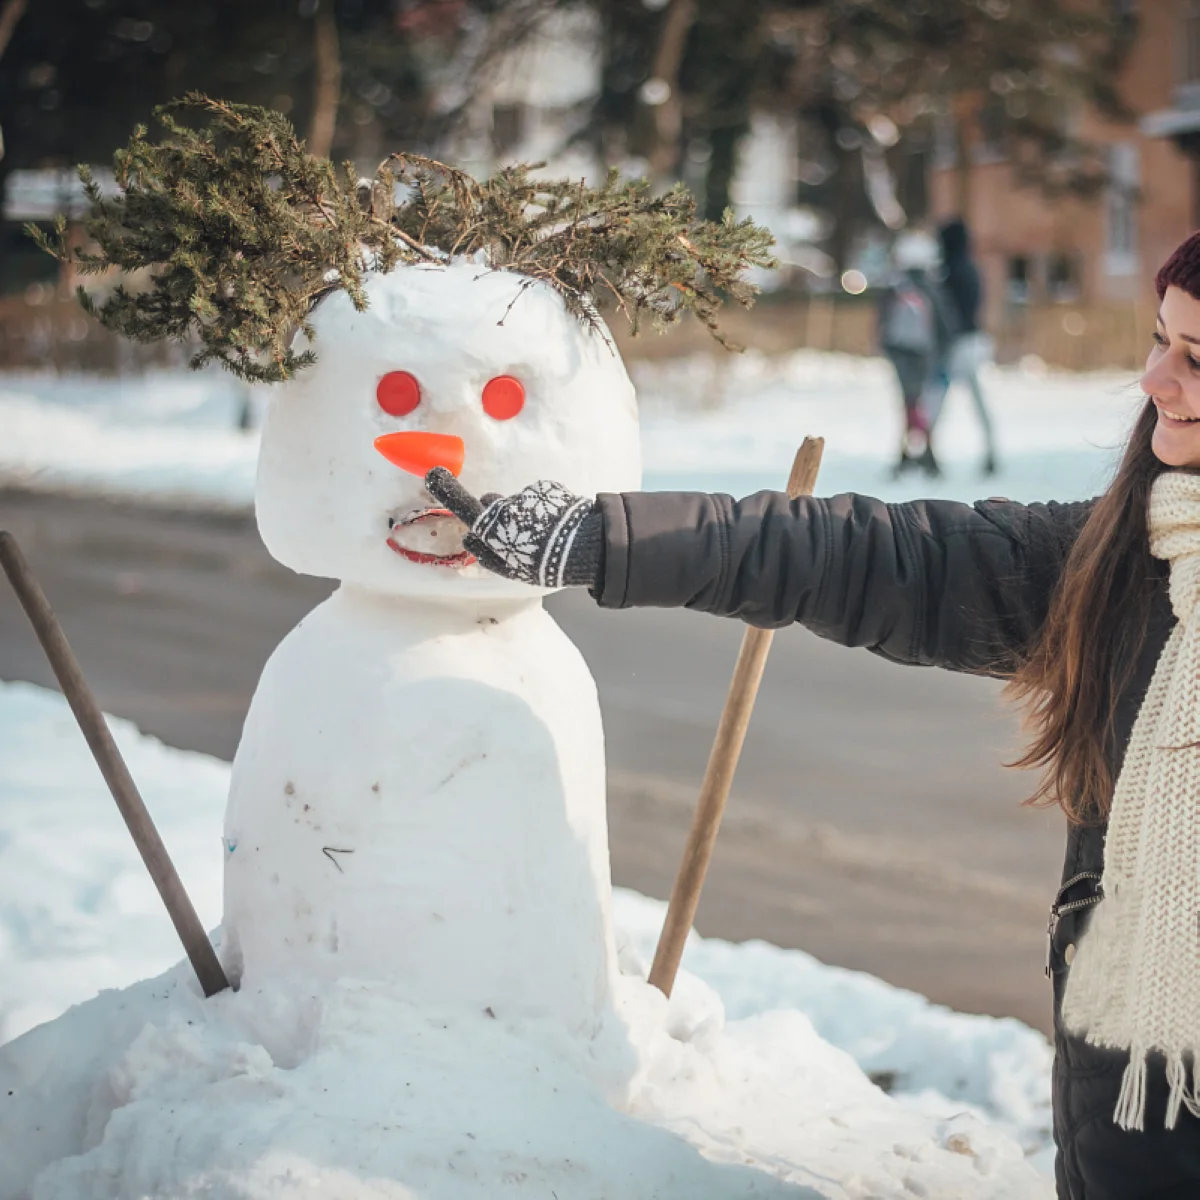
(1089,610)
(915,333)
(969,348)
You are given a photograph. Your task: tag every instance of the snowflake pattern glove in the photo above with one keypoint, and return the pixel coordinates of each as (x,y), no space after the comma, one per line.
(543,535)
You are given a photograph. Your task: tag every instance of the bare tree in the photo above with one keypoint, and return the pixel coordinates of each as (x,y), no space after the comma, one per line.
(662,90)
(328,90)
(10,13)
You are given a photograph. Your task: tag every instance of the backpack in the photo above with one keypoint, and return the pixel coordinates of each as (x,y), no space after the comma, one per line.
(909,321)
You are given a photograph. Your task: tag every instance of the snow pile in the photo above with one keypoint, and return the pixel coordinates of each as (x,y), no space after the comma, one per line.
(316,1080)
(298,1088)
(719,423)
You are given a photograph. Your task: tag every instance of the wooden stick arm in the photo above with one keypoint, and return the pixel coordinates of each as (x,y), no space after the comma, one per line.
(112,766)
(722,763)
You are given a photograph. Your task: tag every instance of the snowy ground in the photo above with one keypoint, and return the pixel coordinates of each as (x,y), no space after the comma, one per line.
(720,424)
(78,914)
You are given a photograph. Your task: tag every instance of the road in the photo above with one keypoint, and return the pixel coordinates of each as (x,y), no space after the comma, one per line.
(871,824)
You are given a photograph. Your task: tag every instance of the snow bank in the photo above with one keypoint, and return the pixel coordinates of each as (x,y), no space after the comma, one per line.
(728,423)
(292,1089)
(170,436)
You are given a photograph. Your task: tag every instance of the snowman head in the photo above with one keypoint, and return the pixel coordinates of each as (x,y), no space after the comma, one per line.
(489,357)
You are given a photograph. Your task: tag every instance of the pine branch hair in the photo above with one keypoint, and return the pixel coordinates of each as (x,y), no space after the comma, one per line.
(237,232)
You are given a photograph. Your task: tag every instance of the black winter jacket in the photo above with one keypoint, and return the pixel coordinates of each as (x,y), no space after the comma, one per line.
(928,583)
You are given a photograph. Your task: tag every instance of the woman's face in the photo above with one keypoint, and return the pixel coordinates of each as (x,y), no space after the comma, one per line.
(1172,380)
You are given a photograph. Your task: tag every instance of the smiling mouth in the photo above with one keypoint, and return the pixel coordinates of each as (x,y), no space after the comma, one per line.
(430,537)
(1178,418)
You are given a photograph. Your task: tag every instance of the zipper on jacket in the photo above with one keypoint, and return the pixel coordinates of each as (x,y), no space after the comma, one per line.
(1058,910)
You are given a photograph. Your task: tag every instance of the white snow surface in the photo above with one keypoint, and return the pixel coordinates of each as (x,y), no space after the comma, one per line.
(752,1084)
(728,423)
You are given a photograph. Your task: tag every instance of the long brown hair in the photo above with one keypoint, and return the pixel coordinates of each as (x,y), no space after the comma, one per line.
(1087,651)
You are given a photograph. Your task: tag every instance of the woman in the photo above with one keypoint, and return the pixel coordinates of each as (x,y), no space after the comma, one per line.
(1090,611)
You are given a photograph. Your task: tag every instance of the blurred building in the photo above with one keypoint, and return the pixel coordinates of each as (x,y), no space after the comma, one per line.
(1034,250)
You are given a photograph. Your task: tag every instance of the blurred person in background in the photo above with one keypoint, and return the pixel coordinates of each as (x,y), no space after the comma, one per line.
(1090,611)
(916,330)
(970,347)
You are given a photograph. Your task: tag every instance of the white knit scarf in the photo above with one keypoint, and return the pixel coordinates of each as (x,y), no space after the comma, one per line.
(1135,981)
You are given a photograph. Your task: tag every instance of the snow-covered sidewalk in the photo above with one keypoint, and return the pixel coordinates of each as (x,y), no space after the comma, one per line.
(728,423)
(78,914)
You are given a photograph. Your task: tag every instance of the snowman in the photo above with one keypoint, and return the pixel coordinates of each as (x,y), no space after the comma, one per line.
(419,792)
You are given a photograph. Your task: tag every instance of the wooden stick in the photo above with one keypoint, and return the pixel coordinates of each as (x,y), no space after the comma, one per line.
(112,767)
(722,763)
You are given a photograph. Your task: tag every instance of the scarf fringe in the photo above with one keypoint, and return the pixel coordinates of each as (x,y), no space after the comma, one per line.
(1130,1112)
(1181,1095)
(1177,1077)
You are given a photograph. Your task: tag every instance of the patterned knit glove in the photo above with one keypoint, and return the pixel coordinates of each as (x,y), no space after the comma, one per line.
(543,535)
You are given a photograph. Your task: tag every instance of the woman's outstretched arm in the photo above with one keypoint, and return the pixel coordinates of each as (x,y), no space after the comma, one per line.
(930,582)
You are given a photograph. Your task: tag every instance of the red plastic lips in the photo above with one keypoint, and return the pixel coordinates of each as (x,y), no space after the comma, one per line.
(419,453)
(462,558)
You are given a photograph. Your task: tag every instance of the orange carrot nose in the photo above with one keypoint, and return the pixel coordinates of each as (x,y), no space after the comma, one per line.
(419,453)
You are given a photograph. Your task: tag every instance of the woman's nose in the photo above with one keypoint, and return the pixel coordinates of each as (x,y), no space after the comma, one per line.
(1159,379)
(419,453)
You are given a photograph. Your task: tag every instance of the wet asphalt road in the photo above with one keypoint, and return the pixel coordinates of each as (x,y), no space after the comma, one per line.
(871,821)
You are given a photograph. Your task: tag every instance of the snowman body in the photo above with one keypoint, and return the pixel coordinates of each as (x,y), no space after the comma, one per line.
(419,793)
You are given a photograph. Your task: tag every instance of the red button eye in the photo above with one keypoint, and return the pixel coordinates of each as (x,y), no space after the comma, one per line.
(398,393)
(503,397)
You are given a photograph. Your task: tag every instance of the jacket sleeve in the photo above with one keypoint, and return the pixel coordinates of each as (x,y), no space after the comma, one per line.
(931,583)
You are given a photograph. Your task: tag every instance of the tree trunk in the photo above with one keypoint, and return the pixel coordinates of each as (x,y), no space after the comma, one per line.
(6,284)
(722,165)
(11,11)
(668,115)
(328,89)
(846,186)
(964,113)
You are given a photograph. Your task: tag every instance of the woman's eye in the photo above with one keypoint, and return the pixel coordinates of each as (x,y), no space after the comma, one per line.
(503,397)
(1158,339)
(1193,364)
(398,393)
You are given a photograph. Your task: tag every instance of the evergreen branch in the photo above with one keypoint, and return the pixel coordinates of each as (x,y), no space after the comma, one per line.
(240,232)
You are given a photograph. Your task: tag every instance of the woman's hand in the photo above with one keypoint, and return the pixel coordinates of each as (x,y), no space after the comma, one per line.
(543,535)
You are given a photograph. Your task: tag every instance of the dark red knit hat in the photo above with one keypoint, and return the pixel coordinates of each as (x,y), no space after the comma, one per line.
(1182,269)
